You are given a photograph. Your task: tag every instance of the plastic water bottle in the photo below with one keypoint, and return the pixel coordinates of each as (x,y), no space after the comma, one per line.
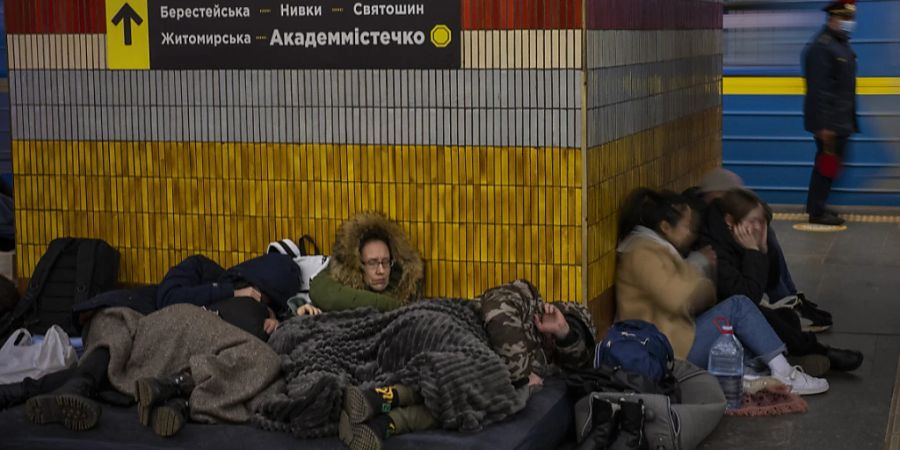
(726,363)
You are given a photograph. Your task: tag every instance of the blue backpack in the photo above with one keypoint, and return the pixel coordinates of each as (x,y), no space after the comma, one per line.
(637,347)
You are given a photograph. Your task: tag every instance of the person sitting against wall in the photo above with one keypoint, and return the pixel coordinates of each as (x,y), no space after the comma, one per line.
(202,355)
(372,264)
(656,284)
(714,185)
(737,227)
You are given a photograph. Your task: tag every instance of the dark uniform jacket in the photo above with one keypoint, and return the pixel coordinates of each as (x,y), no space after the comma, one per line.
(829,65)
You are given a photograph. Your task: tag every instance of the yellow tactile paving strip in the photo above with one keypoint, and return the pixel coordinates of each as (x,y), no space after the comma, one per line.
(861,218)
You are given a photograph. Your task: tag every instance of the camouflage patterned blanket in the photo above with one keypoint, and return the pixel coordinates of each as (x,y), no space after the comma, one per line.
(438,347)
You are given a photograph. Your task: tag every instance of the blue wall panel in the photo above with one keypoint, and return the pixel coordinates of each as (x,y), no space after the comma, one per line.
(765,143)
(764,139)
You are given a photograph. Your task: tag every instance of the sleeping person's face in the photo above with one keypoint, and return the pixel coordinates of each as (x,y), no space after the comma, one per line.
(376,262)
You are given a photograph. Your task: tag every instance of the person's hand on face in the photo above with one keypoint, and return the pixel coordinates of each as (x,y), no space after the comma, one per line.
(552,322)
(763,237)
(249,291)
(745,236)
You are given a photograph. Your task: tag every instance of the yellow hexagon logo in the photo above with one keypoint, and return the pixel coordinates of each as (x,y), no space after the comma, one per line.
(441,36)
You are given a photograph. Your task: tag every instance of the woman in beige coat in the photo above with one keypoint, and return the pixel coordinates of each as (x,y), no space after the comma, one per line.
(656,284)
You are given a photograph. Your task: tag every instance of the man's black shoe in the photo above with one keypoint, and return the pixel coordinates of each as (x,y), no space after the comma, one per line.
(70,405)
(844,360)
(826,219)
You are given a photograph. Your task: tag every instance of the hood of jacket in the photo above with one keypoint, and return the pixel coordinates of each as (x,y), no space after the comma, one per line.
(346,266)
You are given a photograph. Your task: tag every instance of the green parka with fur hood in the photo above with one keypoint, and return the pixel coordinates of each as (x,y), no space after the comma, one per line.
(342,284)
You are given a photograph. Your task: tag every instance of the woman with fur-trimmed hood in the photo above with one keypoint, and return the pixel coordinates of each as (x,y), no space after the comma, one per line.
(372,264)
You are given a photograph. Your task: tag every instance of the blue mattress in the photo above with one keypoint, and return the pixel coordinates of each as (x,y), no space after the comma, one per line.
(545,423)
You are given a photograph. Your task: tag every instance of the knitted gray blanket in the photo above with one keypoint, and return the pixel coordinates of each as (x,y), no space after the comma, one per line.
(438,347)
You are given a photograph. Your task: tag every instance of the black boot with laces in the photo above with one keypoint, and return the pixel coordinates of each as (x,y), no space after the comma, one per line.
(70,404)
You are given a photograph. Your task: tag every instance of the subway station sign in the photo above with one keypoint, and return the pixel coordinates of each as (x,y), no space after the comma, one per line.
(288,34)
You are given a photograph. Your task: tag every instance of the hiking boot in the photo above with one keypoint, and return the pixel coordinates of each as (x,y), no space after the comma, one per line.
(631,426)
(803,384)
(12,395)
(362,405)
(826,219)
(364,436)
(604,425)
(813,365)
(149,392)
(168,419)
(70,405)
(844,360)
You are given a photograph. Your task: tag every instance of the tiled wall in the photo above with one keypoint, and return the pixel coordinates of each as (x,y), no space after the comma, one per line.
(653,75)
(483,166)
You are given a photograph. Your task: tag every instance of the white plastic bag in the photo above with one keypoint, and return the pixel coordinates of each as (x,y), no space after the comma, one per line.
(25,359)
(310,265)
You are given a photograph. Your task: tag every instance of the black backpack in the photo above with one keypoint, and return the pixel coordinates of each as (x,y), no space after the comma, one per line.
(70,272)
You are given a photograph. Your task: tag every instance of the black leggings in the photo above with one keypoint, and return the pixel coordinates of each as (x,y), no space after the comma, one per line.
(94,367)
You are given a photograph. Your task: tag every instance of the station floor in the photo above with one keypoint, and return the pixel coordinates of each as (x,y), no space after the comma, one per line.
(854,274)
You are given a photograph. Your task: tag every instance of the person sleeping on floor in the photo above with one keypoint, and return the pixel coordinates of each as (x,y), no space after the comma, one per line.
(402,358)
(544,331)
(202,355)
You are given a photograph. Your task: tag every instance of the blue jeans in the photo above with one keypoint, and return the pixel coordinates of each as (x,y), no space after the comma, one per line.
(785,285)
(760,342)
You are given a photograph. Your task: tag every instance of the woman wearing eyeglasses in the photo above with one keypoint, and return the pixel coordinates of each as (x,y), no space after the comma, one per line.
(372,264)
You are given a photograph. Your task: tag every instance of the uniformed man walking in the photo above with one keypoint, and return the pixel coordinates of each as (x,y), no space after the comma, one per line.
(829,109)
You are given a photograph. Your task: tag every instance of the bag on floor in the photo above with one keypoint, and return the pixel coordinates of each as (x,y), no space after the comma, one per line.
(22,358)
(625,420)
(70,272)
(310,264)
(636,346)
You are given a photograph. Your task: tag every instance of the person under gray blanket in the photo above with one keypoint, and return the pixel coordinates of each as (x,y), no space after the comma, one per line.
(438,349)
(160,377)
(221,372)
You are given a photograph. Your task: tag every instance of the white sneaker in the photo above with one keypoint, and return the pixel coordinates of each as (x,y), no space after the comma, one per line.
(803,384)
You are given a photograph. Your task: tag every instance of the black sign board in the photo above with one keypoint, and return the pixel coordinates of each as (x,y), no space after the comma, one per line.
(304,34)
